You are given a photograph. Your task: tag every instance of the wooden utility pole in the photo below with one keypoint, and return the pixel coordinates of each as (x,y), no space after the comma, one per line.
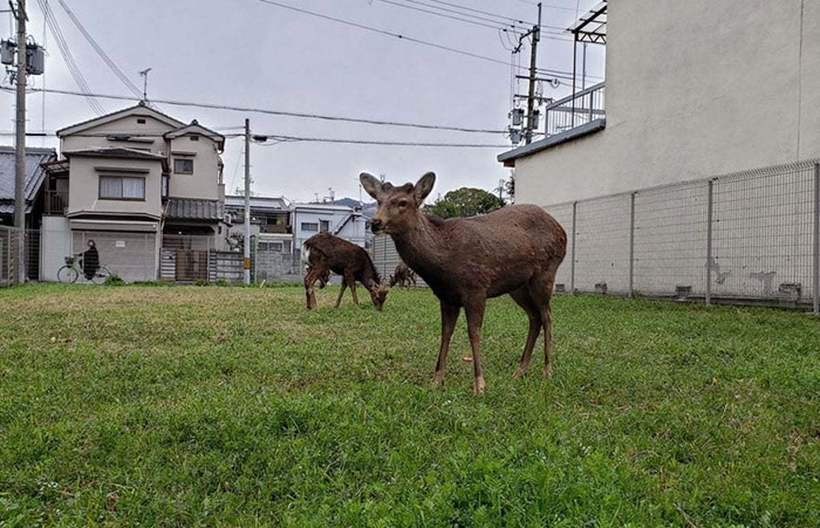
(247,245)
(20,144)
(536,36)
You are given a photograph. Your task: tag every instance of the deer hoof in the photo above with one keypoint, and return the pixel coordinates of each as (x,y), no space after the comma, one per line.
(479,386)
(438,379)
(519,373)
(548,371)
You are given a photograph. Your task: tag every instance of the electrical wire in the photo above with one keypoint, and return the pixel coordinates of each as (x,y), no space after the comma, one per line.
(383,143)
(68,58)
(101,52)
(385,32)
(496,26)
(274,139)
(268,111)
(518,21)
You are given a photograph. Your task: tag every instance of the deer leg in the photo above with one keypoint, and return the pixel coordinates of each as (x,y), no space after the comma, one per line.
(546,322)
(353,291)
(475,318)
(341,292)
(310,279)
(449,316)
(534,314)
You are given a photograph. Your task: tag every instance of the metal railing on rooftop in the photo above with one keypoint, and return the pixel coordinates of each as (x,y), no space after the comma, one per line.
(576,110)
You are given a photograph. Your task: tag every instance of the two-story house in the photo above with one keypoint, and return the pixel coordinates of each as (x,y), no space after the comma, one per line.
(134,181)
(340,220)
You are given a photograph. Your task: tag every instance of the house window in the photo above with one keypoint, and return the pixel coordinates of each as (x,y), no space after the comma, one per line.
(310,226)
(183,166)
(324,226)
(122,188)
(194,138)
(140,121)
(274,247)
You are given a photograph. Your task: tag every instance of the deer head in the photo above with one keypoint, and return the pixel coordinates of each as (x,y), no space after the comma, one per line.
(398,206)
(378,294)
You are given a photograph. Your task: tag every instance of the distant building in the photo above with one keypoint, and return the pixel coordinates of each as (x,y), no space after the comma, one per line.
(270,222)
(340,220)
(139,183)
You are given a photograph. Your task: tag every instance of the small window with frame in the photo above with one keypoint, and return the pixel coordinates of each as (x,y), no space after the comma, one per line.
(183,166)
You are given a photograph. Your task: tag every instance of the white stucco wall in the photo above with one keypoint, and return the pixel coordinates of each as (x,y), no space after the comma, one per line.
(204,182)
(353,231)
(83,187)
(694,89)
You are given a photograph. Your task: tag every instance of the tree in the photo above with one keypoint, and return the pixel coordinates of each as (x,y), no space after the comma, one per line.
(465,201)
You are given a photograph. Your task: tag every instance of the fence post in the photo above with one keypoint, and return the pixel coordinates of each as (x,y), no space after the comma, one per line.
(632,244)
(816,242)
(709,204)
(572,251)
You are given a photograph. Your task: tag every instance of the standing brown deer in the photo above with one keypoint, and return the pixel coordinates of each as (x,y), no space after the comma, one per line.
(326,253)
(514,250)
(403,276)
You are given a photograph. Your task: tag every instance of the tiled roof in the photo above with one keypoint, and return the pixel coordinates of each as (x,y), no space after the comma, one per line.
(34,174)
(194,209)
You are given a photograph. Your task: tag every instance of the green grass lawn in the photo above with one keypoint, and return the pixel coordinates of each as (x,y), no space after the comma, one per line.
(209,406)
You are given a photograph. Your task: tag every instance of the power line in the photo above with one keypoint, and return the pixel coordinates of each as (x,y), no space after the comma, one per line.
(268,111)
(386,32)
(518,21)
(103,55)
(68,57)
(496,26)
(382,143)
(275,139)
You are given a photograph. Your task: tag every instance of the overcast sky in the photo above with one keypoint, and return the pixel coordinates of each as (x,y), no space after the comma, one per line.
(247,53)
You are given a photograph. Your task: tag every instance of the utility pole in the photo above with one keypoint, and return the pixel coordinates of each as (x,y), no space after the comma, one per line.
(536,36)
(247,245)
(20,144)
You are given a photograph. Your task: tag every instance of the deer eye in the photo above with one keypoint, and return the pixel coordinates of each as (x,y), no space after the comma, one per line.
(402,203)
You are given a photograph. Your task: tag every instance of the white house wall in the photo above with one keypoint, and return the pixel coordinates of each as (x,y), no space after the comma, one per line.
(694,89)
(204,182)
(83,187)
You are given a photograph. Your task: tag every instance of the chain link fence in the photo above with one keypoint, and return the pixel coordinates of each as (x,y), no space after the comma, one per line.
(745,237)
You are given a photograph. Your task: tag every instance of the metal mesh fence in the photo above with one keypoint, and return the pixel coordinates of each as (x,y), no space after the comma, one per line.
(747,236)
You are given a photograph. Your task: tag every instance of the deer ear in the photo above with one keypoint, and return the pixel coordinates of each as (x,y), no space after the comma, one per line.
(371,185)
(423,187)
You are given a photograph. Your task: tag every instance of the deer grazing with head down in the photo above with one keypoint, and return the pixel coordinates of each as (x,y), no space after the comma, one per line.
(325,253)
(515,250)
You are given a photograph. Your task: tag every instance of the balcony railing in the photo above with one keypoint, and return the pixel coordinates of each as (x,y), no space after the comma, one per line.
(575,110)
(56,202)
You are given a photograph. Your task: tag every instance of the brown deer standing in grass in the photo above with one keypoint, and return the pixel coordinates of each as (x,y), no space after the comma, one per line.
(514,250)
(403,276)
(326,253)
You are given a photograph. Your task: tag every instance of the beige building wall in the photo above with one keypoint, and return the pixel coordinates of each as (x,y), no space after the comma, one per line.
(83,188)
(204,182)
(94,137)
(694,89)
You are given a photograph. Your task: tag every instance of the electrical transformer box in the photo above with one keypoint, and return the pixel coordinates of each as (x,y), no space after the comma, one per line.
(35,59)
(7,49)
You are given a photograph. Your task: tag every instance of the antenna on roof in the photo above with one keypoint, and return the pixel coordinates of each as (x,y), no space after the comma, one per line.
(144,75)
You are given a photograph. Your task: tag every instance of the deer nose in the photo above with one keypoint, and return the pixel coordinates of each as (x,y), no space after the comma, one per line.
(375,225)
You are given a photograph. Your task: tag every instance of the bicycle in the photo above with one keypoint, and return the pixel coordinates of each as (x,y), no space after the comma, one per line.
(72,270)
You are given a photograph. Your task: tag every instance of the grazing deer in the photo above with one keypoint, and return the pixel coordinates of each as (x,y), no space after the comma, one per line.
(514,250)
(326,253)
(403,276)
